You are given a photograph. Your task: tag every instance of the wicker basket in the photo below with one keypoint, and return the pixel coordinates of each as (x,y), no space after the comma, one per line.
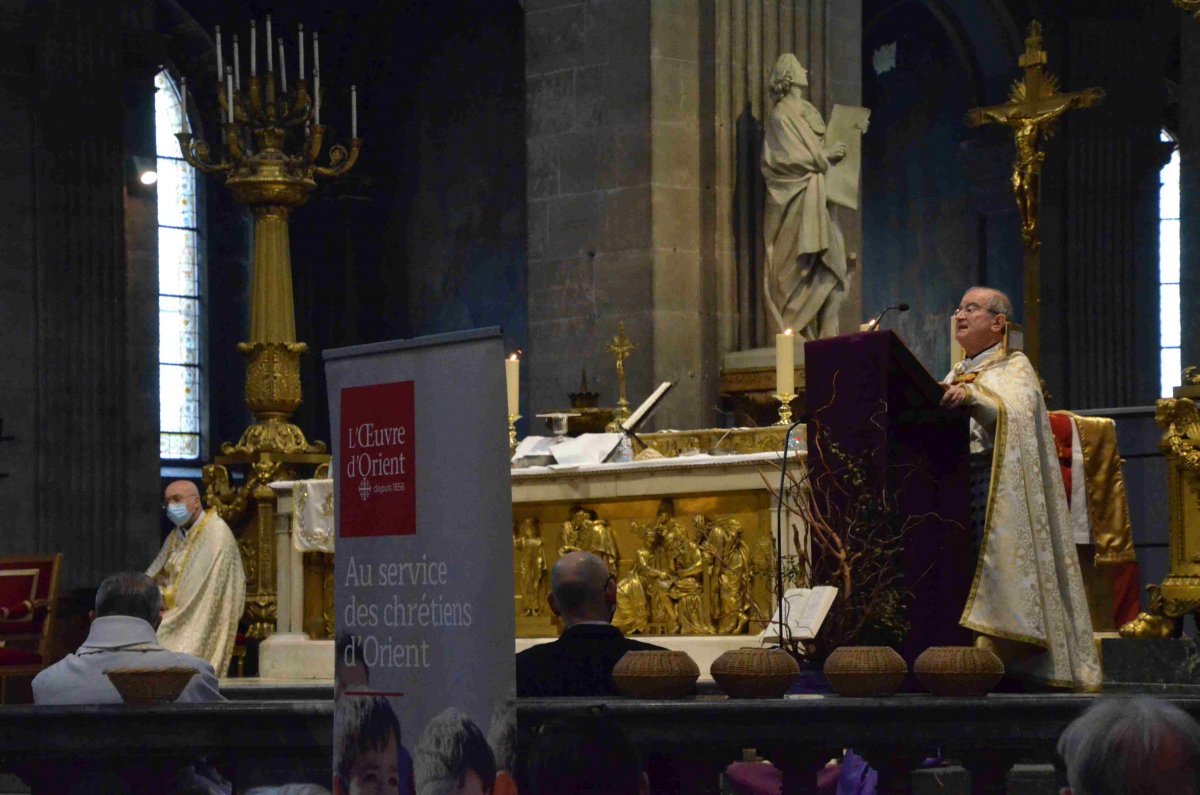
(656,674)
(865,670)
(150,685)
(958,670)
(754,672)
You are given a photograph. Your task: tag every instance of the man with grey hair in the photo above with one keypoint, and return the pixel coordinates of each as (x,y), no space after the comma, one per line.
(1132,745)
(1028,603)
(580,661)
(128,610)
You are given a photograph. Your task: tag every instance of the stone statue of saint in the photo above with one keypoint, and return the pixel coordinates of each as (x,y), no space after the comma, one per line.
(531,567)
(806,276)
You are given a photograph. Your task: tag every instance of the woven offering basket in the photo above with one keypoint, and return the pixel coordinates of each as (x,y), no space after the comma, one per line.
(150,685)
(754,672)
(656,674)
(958,670)
(865,670)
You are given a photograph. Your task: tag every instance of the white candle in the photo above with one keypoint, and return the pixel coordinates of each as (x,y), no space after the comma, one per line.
(183,104)
(229,92)
(220,65)
(301,50)
(512,373)
(237,64)
(253,49)
(267,47)
(353,111)
(282,67)
(785,363)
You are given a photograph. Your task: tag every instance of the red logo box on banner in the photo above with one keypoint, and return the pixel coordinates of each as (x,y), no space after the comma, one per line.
(377,462)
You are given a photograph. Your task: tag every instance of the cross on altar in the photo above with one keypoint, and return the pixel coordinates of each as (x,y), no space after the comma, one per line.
(1034,107)
(620,347)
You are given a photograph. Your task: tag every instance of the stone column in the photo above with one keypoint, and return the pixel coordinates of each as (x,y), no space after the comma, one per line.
(94,440)
(1100,256)
(643,135)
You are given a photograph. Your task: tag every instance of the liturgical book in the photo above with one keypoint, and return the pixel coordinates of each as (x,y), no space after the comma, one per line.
(804,610)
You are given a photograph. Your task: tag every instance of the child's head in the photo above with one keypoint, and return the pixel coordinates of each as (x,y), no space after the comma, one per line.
(453,757)
(368,747)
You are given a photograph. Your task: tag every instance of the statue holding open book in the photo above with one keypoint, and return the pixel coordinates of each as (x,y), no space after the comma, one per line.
(807,167)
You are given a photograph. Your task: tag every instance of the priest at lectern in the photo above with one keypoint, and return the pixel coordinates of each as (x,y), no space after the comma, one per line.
(1027,601)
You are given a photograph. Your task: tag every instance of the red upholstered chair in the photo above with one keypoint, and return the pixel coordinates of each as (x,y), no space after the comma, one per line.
(28,590)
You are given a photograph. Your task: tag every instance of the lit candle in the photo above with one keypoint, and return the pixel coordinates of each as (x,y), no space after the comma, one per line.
(512,373)
(229,91)
(282,67)
(353,111)
(785,363)
(253,49)
(301,50)
(220,65)
(183,104)
(267,47)
(237,64)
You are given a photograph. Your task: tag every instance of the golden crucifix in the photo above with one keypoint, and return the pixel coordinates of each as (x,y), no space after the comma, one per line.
(1033,108)
(620,347)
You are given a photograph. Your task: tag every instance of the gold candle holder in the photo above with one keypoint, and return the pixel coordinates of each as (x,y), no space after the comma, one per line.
(512,433)
(785,407)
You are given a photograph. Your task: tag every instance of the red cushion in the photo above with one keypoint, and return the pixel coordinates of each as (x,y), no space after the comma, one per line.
(18,657)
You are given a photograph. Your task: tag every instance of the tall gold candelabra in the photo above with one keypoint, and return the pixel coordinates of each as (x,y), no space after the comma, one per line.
(272,142)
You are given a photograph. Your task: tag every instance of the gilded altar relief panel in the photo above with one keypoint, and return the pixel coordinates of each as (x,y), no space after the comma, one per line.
(691,565)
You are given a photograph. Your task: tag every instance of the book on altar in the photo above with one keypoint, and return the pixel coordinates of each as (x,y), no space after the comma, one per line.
(648,406)
(804,611)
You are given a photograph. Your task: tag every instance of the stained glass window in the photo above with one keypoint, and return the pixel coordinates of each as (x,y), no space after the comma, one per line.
(1170,364)
(181,381)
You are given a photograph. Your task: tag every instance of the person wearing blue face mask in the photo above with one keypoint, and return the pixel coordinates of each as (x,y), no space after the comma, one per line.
(199,570)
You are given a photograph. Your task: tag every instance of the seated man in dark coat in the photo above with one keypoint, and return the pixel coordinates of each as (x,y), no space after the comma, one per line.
(580,662)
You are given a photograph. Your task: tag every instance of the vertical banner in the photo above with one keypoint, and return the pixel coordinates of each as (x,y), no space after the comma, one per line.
(423,562)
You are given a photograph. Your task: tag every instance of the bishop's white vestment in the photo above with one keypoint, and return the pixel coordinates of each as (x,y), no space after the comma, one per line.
(1027,586)
(199,570)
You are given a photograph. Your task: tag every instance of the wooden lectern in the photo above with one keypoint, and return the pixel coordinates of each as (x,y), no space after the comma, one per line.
(868,394)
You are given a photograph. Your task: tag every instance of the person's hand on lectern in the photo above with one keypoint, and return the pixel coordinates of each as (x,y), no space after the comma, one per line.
(954,395)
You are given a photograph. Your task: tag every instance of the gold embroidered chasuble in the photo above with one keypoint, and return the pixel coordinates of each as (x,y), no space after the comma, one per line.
(1028,586)
(204,590)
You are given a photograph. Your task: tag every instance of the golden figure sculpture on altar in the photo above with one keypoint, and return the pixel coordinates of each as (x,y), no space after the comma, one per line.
(728,562)
(584,531)
(688,591)
(532,569)
(643,596)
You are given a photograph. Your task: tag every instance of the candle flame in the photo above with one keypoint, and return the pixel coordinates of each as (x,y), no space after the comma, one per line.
(513,357)
(787,332)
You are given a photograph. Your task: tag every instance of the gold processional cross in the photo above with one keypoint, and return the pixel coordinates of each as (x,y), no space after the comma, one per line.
(1033,108)
(620,347)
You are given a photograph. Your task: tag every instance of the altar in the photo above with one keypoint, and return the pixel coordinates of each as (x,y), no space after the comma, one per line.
(702,490)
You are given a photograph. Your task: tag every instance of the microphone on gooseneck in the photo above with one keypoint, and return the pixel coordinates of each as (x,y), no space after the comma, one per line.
(900,307)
